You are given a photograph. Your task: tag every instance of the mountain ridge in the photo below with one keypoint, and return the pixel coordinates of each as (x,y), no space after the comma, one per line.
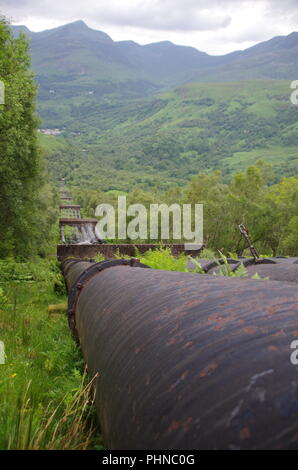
(161,63)
(80,25)
(78,67)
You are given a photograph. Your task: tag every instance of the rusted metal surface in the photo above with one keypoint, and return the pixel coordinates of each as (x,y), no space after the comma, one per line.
(77,274)
(244,232)
(279,269)
(190,361)
(209,266)
(72,270)
(108,250)
(283,270)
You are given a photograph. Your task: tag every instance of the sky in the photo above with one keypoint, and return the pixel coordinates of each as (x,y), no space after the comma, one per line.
(213,26)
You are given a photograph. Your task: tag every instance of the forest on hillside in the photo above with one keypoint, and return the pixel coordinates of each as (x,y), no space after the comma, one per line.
(251,197)
(166,140)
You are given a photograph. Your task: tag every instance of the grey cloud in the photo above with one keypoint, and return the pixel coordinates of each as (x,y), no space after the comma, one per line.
(162,15)
(287,9)
(167,15)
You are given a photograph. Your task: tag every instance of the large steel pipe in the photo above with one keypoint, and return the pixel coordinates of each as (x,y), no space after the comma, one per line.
(189,361)
(278,269)
(282,270)
(72,269)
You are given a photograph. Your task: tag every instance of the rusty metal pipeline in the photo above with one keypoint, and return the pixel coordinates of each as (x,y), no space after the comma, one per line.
(283,270)
(279,269)
(187,361)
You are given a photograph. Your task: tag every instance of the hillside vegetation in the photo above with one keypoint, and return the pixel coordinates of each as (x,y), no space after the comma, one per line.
(166,139)
(26,198)
(250,198)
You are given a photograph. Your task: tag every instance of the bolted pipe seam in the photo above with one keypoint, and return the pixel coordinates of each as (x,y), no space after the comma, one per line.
(77,285)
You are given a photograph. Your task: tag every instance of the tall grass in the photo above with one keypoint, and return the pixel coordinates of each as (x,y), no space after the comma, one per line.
(46,401)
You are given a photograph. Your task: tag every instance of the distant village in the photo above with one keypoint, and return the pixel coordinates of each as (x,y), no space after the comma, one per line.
(57,131)
(50,131)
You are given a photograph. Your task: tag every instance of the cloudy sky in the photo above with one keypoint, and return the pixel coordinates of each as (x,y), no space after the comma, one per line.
(214,26)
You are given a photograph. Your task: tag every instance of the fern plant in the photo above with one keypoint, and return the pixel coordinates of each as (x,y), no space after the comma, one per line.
(226,270)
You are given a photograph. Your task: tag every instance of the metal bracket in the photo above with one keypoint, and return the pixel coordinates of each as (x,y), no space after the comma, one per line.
(83,279)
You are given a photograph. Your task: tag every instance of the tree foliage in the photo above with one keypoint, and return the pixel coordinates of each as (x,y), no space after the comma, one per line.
(268,210)
(24,198)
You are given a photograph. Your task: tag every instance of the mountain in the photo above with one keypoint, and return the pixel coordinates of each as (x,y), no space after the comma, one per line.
(79,68)
(18,28)
(274,59)
(73,61)
(165,61)
(80,53)
(76,53)
(134,117)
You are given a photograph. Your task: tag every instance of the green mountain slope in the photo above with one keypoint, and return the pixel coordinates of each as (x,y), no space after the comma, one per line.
(273,59)
(195,128)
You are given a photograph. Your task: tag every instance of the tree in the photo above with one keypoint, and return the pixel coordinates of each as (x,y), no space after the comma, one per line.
(22,173)
(207,189)
(283,198)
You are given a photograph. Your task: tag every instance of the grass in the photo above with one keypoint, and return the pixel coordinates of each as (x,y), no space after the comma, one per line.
(273,155)
(46,401)
(51,143)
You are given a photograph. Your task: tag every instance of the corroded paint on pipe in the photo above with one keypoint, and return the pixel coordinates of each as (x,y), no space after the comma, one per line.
(279,269)
(78,274)
(72,269)
(109,250)
(189,361)
(283,270)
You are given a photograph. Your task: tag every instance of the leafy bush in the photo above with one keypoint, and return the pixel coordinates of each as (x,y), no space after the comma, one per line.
(163,259)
